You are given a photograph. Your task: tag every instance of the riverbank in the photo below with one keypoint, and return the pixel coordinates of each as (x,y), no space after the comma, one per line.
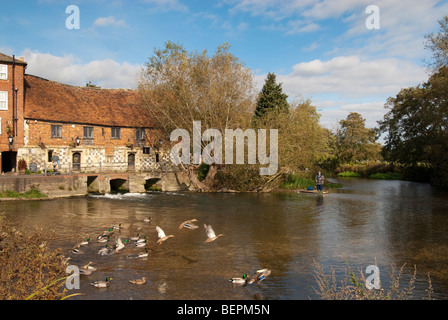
(20,187)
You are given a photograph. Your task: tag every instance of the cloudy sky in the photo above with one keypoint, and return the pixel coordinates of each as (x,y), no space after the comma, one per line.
(319,49)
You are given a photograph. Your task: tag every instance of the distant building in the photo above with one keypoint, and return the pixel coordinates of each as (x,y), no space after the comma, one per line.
(90,129)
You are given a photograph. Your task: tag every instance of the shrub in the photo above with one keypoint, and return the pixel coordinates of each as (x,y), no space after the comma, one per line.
(349,174)
(29,269)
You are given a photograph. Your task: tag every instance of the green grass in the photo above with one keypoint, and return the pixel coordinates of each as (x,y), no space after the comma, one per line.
(298,182)
(349,174)
(387,176)
(30,194)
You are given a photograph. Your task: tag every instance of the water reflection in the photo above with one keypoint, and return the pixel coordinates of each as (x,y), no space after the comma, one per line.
(390,222)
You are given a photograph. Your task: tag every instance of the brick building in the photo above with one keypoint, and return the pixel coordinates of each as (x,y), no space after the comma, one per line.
(12,95)
(90,129)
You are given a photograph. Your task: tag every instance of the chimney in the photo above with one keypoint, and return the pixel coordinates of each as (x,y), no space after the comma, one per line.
(21,59)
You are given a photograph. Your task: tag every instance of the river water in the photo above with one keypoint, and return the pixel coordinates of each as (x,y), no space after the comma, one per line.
(390,223)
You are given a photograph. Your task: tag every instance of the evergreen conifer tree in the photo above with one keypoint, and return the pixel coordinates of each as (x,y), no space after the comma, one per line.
(271,98)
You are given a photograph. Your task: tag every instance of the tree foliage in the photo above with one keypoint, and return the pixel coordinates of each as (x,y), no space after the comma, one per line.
(180,87)
(417,121)
(416,126)
(271,98)
(354,142)
(438,45)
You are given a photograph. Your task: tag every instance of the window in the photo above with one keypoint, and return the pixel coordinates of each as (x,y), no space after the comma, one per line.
(146,150)
(50,155)
(88,132)
(3,72)
(56,131)
(3,100)
(140,134)
(116,133)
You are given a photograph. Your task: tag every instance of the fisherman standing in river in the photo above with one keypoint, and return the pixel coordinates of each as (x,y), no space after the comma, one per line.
(319,181)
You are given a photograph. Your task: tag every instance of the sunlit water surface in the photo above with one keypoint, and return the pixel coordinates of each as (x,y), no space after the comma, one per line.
(390,223)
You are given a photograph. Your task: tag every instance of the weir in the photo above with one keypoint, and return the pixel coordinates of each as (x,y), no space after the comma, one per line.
(83,184)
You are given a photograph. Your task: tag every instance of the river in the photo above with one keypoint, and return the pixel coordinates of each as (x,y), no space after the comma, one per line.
(390,223)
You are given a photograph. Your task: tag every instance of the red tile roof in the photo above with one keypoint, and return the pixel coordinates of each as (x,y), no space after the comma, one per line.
(53,101)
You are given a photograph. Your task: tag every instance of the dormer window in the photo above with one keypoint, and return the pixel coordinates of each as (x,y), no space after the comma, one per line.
(3,72)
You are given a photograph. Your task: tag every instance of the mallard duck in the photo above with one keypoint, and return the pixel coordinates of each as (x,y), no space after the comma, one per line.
(211,234)
(105,251)
(120,244)
(141,243)
(102,240)
(84,243)
(138,255)
(87,269)
(101,283)
(136,238)
(142,239)
(162,235)
(106,234)
(77,251)
(260,275)
(138,281)
(242,280)
(188,224)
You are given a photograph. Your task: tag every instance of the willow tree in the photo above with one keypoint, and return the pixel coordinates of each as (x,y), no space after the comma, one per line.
(180,87)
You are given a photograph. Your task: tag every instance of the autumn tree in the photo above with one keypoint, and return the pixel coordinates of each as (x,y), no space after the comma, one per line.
(180,87)
(416,127)
(437,44)
(354,142)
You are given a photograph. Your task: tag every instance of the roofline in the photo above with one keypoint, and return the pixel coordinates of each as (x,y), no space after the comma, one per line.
(11,60)
(78,87)
(85,123)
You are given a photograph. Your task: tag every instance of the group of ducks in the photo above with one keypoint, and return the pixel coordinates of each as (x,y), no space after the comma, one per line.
(87,269)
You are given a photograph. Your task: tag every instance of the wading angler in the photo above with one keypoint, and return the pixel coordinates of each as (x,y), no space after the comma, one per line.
(212,152)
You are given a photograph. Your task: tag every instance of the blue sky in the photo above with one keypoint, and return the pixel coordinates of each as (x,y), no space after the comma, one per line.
(319,49)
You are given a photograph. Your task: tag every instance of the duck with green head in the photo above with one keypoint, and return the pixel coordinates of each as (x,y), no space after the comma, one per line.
(101,283)
(105,251)
(242,280)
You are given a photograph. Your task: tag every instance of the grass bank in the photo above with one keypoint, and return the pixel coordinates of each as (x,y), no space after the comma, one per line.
(30,194)
(349,174)
(298,181)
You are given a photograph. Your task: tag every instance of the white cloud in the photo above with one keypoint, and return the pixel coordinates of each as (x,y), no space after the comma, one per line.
(347,84)
(109,21)
(351,77)
(70,70)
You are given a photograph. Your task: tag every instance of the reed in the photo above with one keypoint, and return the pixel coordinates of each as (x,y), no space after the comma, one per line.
(29,268)
(353,286)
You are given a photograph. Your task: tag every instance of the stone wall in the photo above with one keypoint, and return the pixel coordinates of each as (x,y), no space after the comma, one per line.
(94,159)
(82,184)
(52,186)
